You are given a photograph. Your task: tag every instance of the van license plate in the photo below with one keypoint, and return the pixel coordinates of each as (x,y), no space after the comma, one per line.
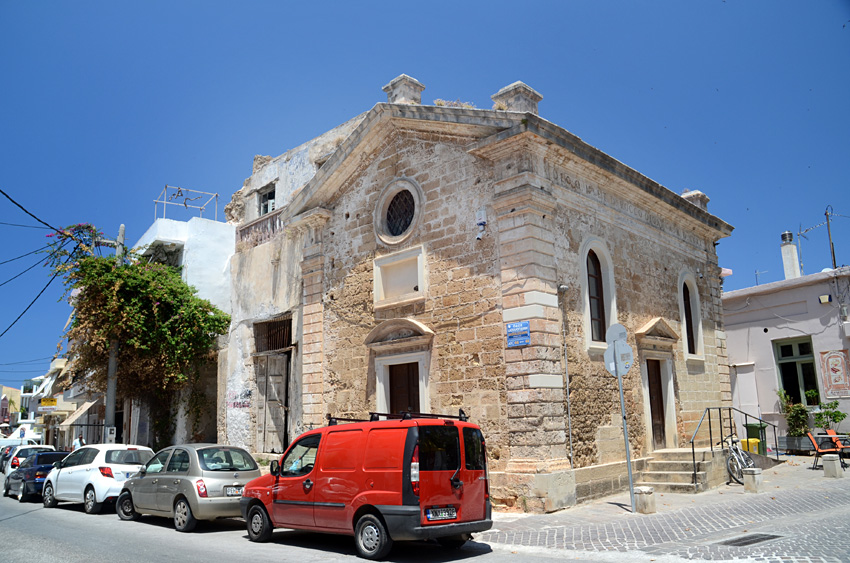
(233,491)
(441,513)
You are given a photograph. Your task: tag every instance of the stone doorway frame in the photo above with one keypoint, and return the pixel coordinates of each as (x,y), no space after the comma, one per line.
(400,341)
(656,340)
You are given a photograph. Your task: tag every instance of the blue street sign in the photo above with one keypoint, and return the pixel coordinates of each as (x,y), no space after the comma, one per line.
(518,329)
(516,341)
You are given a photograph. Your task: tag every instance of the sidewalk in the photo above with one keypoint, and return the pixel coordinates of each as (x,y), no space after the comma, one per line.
(806,515)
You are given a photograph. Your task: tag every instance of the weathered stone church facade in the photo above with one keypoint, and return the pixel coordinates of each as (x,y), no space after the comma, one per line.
(379,266)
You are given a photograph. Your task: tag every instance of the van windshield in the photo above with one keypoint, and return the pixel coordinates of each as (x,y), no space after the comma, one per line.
(439,448)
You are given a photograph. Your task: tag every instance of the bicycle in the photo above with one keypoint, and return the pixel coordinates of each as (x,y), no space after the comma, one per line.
(737,460)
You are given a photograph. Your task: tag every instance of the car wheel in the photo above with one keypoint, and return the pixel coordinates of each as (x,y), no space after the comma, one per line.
(90,504)
(47,497)
(183,519)
(453,542)
(125,508)
(371,537)
(22,495)
(259,526)
(6,488)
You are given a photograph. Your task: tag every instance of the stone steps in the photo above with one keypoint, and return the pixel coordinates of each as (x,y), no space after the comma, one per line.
(672,471)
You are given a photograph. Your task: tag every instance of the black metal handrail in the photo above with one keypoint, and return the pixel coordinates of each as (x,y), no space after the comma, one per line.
(728,410)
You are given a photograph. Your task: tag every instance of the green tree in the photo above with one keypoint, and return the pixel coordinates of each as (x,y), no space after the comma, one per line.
(166,333)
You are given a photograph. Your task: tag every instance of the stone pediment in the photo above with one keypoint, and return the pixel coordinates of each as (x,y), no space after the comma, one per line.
(658,332)
(396,334)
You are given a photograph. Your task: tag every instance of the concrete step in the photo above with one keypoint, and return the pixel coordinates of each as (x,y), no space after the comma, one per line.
(672,476)
(664,465)
(673,487)
(682,454)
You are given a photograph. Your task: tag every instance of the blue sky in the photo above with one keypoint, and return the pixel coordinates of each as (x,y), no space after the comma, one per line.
(103,103)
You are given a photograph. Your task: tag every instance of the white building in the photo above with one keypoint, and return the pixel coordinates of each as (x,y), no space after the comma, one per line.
(791,335)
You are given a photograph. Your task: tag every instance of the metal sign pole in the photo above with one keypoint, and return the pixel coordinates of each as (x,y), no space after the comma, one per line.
(625,429)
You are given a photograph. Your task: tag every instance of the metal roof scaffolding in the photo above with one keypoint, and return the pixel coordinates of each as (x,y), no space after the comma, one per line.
(174,195)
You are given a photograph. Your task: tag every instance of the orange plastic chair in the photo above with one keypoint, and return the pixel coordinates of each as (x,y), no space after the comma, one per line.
(821,450)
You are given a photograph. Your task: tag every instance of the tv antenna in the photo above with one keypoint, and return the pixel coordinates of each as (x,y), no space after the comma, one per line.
(802,234)
(758,273)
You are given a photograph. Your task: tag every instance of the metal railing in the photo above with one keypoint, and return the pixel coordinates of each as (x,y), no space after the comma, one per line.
(721,421)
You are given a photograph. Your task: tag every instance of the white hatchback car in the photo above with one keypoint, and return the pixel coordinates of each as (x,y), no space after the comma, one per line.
(19,454)
(93,474)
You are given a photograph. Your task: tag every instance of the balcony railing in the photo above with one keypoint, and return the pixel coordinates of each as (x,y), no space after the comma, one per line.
(260,230)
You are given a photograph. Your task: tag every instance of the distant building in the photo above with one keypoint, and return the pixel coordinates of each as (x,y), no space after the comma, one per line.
(433,258)
(791,335)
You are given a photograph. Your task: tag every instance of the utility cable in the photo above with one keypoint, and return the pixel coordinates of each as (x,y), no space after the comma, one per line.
(30,305)
(39,293)
(25,255)
(7,196)
(20,274)
(25,226)
(28,361)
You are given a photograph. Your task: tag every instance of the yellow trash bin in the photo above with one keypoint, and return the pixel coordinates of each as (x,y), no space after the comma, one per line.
(751,445)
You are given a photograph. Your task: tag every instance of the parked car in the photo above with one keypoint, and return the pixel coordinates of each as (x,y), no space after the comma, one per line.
(7,444)
(93,474)
(4,453)
(28,478)
(19,454)
(412,478)
(188,483)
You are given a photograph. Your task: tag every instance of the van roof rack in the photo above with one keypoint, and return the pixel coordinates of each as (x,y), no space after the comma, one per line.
(334,420)
(407,415)
(404,415)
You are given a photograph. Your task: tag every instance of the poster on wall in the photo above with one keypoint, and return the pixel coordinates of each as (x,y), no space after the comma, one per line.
(836,376)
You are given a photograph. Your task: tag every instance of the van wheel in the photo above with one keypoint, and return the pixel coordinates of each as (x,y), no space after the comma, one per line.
(259,525)
(371,537)
(124,507)
(47,497)
(90,504)
(184,521)
(453,542)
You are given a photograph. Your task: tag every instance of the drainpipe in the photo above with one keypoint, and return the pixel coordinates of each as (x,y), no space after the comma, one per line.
(562,290)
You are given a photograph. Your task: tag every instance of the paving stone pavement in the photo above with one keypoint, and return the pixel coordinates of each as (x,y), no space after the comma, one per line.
(808,513)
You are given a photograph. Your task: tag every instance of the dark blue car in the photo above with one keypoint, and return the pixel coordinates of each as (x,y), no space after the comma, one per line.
(28,478)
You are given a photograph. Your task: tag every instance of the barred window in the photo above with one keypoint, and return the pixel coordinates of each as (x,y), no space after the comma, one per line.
(273,335)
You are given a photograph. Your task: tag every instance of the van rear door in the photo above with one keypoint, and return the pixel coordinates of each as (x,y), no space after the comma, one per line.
(451,488)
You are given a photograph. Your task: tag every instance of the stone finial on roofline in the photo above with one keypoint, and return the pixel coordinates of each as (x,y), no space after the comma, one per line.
(404,89)
(697,198)
(518,96)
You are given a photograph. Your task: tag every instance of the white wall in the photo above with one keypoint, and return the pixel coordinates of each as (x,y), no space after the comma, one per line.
(758,316)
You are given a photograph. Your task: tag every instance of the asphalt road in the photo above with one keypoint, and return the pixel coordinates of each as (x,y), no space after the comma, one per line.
(33,534)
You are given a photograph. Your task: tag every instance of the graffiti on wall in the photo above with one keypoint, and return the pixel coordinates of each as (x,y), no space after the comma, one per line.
(239,399)
(836,376)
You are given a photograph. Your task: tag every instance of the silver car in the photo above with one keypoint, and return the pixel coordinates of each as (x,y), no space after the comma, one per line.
(189,482)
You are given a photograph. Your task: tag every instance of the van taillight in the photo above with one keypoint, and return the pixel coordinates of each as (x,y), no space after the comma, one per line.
(414,470)
(202,488)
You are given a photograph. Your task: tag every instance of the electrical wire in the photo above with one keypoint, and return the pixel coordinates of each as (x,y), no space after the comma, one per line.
(20,274)
(39,293)
(25,226)
(22,208)
(28,361)
(25,255)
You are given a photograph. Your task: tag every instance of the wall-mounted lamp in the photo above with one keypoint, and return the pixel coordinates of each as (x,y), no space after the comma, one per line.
(824,299)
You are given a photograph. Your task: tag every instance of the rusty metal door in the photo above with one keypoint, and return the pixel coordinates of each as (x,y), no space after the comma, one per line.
(272,404)
(656,403)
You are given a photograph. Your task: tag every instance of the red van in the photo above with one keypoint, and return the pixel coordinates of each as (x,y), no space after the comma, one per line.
(408,477)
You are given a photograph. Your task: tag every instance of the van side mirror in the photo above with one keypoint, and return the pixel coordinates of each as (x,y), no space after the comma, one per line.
(274,467)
